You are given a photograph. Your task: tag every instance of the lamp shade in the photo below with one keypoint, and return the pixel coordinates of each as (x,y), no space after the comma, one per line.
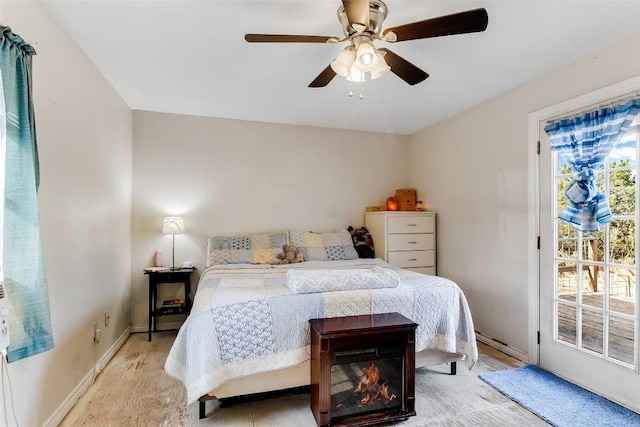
(356,75)
(342,64)
(173,225)
(381,69)
(366,56)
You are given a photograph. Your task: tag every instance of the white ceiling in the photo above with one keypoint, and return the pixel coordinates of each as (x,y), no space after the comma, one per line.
(190,57)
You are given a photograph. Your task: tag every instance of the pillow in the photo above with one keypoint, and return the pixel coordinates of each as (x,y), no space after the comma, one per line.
(324,246)
(250,249)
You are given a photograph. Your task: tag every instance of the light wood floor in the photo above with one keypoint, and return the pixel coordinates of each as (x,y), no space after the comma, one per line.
(134,390)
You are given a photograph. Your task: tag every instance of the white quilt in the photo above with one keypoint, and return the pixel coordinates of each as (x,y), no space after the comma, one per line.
(246,320)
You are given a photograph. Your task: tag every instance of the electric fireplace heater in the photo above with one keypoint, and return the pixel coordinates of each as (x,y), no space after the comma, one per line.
(362,369)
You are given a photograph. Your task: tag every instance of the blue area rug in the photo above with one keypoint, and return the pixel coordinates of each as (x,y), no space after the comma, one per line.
(557,401)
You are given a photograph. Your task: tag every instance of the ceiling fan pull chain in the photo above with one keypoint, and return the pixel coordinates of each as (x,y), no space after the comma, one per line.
(361,96)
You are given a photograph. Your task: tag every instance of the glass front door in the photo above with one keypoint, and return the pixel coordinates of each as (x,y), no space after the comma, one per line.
(588,287)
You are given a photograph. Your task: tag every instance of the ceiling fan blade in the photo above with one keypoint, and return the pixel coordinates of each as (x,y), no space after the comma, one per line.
(403,68)
(471,21)
(357,11)
(323,78)
(285,38)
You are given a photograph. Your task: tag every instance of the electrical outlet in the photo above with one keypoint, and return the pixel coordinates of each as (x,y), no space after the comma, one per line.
(107,317)
(95,331)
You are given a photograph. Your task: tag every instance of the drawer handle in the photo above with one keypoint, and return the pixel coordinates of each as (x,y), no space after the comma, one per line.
(412,243)
(412,259)
(412,225)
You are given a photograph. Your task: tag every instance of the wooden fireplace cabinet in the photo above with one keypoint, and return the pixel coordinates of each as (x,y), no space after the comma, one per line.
(355,332)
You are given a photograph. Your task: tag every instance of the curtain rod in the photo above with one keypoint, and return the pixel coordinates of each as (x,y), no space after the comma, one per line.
(620,99)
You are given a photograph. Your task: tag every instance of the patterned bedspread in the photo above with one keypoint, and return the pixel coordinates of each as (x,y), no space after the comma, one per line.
(246,320)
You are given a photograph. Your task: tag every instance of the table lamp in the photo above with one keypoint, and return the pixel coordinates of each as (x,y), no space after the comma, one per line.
(173,225)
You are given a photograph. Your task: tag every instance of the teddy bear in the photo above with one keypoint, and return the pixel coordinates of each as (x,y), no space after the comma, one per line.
(290,255)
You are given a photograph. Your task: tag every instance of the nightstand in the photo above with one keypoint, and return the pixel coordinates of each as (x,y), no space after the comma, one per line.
(156,278)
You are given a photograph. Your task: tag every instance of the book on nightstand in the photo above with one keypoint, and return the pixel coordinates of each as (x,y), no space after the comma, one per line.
(156,269)
(172,306)
(172,303)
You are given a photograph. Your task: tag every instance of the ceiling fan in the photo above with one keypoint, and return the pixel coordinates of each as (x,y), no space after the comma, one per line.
(362,22)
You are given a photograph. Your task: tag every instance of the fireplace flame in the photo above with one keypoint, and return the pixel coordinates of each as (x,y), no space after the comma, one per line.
(369,379)
(370,385)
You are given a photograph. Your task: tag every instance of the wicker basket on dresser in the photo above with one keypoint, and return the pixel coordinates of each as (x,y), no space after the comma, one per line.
(404,239)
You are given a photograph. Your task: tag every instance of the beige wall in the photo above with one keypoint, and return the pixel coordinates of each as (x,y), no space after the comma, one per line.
(473,169)
(231,176)
(84,140)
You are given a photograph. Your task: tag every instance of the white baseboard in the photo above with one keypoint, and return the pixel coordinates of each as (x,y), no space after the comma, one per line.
(64,408)
(161,326)
(112,350)
(511,351)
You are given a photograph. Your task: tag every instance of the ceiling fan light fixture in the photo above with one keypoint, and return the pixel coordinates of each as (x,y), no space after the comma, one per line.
(381,69)
(356,75)
(362,23)
(366,56)
(343,62)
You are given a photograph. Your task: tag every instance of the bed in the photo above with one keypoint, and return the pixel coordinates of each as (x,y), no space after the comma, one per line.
(248,330)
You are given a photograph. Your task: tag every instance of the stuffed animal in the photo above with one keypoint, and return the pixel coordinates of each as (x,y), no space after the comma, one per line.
(290,255)
(362,241)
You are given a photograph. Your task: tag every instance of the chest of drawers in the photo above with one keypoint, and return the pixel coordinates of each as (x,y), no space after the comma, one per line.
(404,239)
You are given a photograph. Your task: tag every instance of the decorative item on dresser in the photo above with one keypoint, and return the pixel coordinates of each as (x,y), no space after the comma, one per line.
(404,239)
(406,198)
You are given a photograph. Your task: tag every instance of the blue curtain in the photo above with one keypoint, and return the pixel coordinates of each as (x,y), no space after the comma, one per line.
(585,142)
(23,263)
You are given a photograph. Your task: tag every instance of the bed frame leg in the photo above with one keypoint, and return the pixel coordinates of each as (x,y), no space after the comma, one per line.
(454,366)
(202,409)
